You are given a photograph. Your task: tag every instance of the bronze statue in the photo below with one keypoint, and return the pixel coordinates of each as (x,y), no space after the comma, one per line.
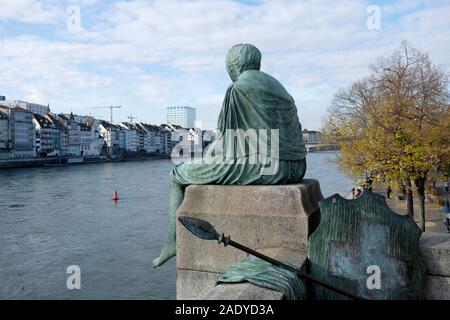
(254,104)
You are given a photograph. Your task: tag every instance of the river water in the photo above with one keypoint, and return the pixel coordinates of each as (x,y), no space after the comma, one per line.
(51,218)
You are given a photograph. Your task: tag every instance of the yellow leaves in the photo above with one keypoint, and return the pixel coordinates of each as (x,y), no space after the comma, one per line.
(396,127)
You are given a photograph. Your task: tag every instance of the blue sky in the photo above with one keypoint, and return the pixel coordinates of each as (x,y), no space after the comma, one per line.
(146,55)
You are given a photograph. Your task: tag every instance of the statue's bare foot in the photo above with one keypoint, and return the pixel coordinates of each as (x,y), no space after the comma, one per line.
(167,252)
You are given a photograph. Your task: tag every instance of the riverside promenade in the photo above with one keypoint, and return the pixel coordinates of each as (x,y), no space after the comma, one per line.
(433,216)
(64,161)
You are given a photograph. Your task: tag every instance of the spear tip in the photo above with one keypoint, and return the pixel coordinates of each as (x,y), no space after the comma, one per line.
(200,228)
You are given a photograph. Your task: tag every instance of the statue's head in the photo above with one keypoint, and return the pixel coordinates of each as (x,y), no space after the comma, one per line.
(242,57)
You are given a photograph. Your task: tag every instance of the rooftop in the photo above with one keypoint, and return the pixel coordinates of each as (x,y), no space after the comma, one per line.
(43,121)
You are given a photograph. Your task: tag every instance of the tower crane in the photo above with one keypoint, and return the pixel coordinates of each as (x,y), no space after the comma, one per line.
(110,108)
(131,118)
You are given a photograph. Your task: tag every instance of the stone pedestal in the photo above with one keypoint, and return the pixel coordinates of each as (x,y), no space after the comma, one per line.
(435,250)
(275,220)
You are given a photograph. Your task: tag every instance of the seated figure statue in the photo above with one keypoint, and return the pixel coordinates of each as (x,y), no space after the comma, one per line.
(255,102)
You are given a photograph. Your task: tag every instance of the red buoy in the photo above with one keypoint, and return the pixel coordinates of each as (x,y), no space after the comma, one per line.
(116,196)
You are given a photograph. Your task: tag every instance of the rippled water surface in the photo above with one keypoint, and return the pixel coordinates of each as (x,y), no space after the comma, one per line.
(51,218)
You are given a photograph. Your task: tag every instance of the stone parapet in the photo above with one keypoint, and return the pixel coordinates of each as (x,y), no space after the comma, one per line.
(277,221)
(274,219)
(435,250)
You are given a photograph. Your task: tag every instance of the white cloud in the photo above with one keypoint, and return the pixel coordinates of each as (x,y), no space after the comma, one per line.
(172,51)
(27,11)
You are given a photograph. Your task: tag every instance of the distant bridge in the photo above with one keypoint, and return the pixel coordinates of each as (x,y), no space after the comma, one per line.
(311,147)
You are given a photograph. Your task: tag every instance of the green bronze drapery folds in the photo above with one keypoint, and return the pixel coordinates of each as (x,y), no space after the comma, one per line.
(256,102)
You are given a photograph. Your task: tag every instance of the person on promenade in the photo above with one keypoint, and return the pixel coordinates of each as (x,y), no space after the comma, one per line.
(446,186)
(388,192)
(254,101)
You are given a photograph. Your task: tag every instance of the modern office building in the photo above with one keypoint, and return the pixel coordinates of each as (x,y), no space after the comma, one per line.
(32,107)
(22,133)
(182,116)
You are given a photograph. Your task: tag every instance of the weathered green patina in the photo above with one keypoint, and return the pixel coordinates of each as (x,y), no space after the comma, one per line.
(254,101)
(356,239)
(266,275)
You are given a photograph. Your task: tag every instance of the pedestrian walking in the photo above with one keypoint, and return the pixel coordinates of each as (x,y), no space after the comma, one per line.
(446,186)
(388,192)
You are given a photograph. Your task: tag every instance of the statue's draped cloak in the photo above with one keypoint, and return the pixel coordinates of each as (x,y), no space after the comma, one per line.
(254,101)
(258,101)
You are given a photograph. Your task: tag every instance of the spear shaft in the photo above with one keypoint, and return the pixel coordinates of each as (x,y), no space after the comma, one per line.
(204,230)
(298,272)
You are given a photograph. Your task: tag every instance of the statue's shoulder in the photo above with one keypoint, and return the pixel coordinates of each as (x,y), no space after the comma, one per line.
(252,77)
(260,81)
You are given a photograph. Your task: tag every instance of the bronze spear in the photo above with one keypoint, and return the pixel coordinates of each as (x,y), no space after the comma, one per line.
(204,230)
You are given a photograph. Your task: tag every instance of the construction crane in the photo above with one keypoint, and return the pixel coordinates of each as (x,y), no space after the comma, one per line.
(131,118)
(110,108)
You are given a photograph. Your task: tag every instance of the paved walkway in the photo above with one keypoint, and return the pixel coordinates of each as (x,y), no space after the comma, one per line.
(433,216)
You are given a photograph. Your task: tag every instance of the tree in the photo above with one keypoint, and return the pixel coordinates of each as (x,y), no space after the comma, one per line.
(394,125)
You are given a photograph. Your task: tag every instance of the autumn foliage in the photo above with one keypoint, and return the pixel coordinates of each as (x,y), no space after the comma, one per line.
(394,126)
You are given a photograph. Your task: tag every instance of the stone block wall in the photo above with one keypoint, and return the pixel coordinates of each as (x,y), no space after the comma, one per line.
(275,220)
(435,249)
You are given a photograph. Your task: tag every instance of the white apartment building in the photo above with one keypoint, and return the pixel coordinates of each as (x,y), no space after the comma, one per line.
(195,136)
(83,135)
(174,135)
(64,140)
(97,140)
(182,116)
(37,145)
(158,142)
(85,139)
(21,133)
(4,136)
(311,136)
(74,141)
(48,134)
(144,136)
(59,123)
(128,137)
(152,140)
(110,134)
(166,140)
(171,136)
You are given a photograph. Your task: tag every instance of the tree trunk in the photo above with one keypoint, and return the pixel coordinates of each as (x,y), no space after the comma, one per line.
(409,198)
(420,185)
